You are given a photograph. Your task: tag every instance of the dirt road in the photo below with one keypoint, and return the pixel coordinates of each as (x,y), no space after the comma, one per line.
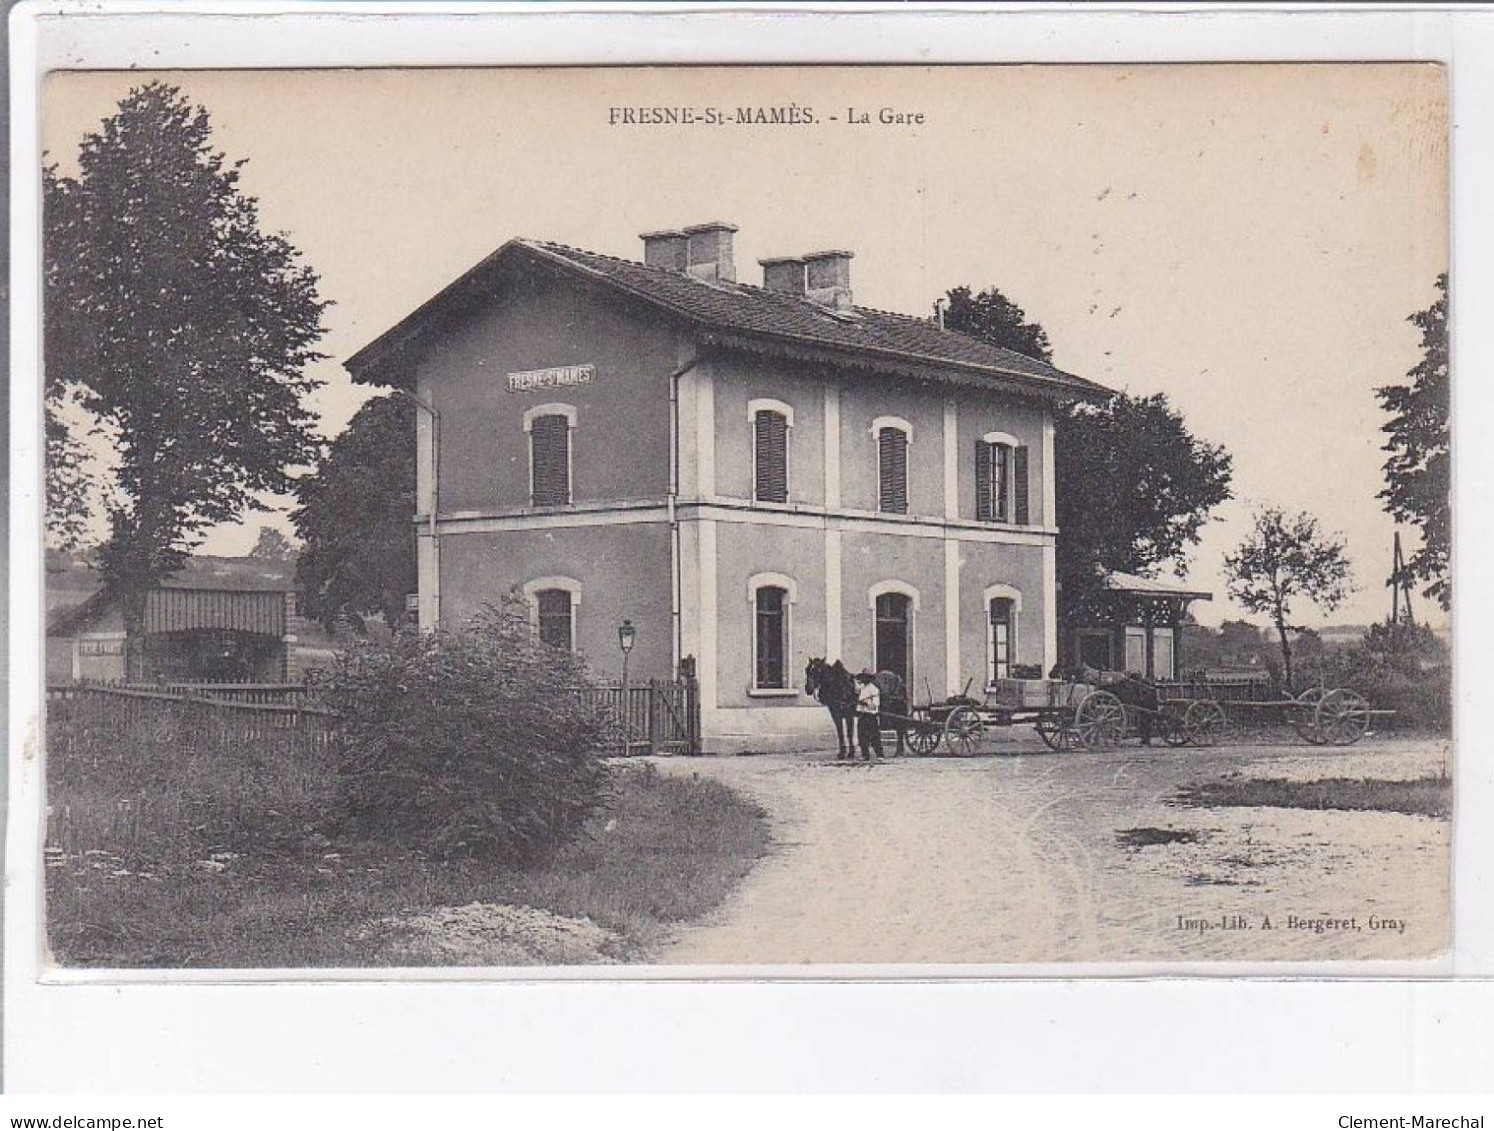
(1016,858)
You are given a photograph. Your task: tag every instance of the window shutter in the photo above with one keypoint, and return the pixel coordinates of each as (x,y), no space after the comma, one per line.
(550,442)
(770,431)
(892,461)
(983,511)
(1019,486)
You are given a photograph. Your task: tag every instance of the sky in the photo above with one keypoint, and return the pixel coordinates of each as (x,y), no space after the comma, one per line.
(1248,239)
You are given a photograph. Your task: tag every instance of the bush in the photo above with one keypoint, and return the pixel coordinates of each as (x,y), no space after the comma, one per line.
(466,742)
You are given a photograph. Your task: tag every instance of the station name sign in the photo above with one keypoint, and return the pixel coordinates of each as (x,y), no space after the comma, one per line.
(557,377)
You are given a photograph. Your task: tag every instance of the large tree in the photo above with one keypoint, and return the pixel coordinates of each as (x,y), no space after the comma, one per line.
(356,518)
(1418,474)
(995,318)
(182,327)
(1134,486)
(1287,559)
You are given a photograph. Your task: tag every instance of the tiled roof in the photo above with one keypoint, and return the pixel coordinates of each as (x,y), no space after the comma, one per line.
(738,313)
(1118,582)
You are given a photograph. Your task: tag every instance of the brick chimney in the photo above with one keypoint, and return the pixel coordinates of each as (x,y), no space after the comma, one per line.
(828,279)
(784,276)
(710,251)
(669,249)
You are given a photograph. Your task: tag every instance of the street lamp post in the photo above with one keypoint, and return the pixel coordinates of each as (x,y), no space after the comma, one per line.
(625,637)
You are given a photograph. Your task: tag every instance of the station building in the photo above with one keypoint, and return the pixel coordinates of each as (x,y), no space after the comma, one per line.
(753,475)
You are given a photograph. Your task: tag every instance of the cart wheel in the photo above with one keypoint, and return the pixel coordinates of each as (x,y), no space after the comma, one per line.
(1100,721)
(1172,728)
(1204,723)
(962,730)
(923,737)
(1342,717)
(1302,716)
(1057,734)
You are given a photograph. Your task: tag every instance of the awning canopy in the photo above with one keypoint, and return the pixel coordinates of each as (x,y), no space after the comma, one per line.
(182,610)
(1131,585)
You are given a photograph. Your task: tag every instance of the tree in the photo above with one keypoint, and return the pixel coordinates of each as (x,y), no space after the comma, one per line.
(994,318)
(1418,474)
(1133,485)
(1284,558)
(182,327)
(67,481)
(356,518)
(272,546)
(1240,640)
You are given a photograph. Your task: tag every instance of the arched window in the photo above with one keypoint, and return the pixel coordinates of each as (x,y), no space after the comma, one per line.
(771,421)
(771,596)
(1003,604)
(549,427)
(554,603)
(555,619)
(893,436)
(1001,639)
(1001,490)
(771,638)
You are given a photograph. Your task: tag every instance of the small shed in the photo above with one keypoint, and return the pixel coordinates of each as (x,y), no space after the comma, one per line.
(221,620)
(1136,625)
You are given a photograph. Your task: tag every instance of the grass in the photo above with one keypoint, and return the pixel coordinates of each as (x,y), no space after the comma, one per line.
(180,857)
(1147,837)
(1429,796)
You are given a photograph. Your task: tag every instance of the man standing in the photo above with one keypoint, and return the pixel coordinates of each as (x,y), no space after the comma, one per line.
(869,717)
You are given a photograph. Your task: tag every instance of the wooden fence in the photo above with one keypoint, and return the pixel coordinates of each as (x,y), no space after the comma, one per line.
(657,717)
(278,694)
(137,714)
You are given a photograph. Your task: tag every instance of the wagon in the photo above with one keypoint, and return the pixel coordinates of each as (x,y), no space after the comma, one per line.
(1322,716)
(1066,716)
(1082,716)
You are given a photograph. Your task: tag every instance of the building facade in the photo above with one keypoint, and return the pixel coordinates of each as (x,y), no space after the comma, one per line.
(1135,625)
(751,475)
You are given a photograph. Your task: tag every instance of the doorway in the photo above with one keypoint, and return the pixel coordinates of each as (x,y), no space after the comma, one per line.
(894,636)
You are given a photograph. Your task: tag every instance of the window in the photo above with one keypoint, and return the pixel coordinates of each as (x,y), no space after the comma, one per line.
(770,456)
(892,465)
(554,609)
(770,638)
(555,618)
(1001,489)
(549,428)
(1135,650)
(1162,654)
(1002,639)
(1003,613)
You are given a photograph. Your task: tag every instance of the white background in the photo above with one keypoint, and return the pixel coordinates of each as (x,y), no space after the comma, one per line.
(1099,1035)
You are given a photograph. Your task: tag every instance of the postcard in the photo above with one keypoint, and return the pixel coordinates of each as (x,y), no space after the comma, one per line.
(658,519)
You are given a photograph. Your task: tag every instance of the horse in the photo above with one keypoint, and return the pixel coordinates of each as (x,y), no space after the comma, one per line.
(835,688)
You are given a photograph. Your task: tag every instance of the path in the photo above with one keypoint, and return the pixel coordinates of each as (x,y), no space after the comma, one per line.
(1015,859)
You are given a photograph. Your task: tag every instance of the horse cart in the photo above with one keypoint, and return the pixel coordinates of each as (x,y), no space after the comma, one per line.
(1073,716)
